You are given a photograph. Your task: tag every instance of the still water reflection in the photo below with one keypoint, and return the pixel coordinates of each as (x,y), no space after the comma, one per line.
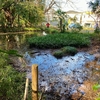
(46,61)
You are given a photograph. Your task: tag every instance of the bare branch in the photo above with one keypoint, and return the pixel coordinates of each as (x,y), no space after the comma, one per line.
(50,6)
(58,4)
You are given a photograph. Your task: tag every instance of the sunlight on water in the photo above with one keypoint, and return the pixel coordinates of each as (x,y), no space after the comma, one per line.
(47,62)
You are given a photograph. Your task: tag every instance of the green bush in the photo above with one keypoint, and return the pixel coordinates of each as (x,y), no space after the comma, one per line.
(65,51)
(69,50)
(97,30)
(51,30)
(55,31)
(76,27)
(58,54)
(59,40)
(12,82)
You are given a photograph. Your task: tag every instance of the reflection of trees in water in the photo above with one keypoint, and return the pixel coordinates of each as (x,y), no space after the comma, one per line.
(13,41)
(10,41)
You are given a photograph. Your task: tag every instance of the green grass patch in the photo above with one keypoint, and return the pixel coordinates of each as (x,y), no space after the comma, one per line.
(59,40)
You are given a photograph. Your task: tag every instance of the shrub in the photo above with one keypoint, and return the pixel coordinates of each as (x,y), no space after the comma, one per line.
(97,30)
(69,50)
(75,27)
(59,41)
(11,81)
(58,54)
(51,30)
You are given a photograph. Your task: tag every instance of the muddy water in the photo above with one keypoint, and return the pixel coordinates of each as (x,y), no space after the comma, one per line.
(63,76)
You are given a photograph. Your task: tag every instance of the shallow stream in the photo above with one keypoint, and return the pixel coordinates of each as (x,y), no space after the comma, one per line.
(47,62)
(66,74)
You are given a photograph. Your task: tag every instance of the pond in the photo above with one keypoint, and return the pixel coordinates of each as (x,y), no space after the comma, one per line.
(14,40)
(66,74)
(55,75)
(47,61)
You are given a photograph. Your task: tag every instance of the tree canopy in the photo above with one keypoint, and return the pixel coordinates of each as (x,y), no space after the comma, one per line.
(13,12)
(95,7)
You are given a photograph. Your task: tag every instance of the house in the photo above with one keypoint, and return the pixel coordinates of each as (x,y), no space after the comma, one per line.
(86,19)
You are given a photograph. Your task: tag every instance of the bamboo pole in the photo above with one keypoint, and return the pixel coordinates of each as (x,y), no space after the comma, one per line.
(35,82)
(26,89)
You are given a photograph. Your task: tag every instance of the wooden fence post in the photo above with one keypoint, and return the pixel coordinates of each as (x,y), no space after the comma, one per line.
(35,82)
(26,89)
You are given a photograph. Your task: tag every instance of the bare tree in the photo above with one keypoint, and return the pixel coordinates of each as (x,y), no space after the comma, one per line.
(51,3)
(95,7)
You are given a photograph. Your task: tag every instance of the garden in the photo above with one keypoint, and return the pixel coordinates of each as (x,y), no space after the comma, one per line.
(67,54)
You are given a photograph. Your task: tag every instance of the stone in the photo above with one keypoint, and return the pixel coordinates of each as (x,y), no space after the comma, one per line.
(80,80)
